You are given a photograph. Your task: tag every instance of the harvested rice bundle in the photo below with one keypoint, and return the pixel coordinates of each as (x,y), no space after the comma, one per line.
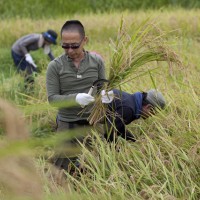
(129,54)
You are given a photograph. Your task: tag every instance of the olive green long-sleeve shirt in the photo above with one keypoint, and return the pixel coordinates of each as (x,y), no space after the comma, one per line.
(64,81)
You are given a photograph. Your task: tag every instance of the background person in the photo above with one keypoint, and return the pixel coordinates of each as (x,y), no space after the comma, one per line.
(69,78)
(21,48)
(123,108)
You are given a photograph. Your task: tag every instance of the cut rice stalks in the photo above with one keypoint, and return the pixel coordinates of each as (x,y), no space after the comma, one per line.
(129,54)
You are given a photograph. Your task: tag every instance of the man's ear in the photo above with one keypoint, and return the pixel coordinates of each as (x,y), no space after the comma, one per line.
(86,40)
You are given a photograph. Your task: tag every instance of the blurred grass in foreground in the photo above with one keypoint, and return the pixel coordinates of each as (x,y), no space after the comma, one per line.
(37,9)
(162,164)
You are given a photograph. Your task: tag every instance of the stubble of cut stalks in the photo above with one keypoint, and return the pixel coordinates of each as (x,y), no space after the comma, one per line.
(129,55)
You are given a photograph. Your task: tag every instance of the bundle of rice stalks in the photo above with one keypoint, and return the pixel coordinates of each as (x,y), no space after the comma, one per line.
(129,55)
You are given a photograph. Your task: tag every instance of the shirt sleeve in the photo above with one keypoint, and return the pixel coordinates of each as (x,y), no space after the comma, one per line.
(25,43)
(53,86)
(101,69)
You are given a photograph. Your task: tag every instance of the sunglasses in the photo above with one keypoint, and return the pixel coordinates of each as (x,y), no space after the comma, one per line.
(72,46)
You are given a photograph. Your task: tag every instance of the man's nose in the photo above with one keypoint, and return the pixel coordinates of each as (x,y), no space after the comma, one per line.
(70,50)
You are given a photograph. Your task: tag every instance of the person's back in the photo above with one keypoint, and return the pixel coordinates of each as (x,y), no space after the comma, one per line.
(26,43)
(123,100)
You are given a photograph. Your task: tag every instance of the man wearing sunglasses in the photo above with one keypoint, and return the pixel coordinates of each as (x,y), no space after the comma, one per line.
(69,78)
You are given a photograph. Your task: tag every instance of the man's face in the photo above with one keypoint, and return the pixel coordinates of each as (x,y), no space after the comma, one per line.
(73,43)
(147,111)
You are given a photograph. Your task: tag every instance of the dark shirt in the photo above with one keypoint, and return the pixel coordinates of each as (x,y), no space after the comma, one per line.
(125,108)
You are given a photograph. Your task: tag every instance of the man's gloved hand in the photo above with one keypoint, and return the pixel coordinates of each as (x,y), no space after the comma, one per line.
(107,97)
(29,59)
(84,99)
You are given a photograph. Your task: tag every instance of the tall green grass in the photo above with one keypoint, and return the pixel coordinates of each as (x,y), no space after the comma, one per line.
(162,164)
(36,9)
(102,26)
(150,168)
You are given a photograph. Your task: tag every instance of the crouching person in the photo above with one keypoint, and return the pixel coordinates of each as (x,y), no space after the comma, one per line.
(21,52)
(123,108)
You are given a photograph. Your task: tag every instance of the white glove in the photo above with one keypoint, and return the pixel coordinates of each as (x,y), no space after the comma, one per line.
(84,99)
(29,59)
(107,97)
(47,49)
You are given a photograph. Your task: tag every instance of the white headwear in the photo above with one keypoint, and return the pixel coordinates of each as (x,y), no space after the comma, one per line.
(155,98)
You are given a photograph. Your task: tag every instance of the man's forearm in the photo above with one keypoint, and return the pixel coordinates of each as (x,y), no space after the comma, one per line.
(62,100)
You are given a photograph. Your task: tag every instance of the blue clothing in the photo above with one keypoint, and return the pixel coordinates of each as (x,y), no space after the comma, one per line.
(21,63)
(138,104)
(23,46)
(126,108)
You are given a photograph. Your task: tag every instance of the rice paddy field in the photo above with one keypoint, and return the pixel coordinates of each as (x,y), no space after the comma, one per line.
(164,162)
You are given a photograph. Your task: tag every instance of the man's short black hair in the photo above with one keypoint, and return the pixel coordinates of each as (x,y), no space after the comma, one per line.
(73,25)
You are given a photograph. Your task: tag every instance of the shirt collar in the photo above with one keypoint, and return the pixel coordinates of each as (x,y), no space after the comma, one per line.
(85,56)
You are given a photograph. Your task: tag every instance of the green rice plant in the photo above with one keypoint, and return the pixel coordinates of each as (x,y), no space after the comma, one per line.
(19,177)
(43,9)
(147,169)
(163,163)
(130,55)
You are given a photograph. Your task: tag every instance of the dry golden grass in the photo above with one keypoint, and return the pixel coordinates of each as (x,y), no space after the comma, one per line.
(18,175)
